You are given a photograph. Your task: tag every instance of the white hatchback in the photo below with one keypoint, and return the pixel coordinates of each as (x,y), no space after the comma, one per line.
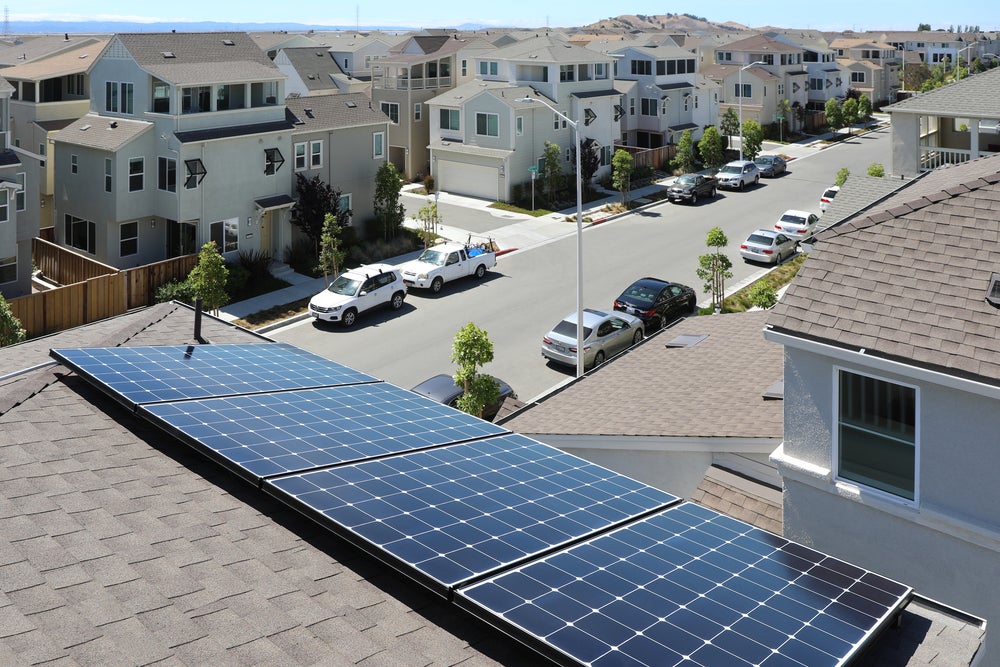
(358,290)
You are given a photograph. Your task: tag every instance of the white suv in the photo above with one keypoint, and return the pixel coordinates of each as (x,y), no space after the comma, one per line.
(738,174)
(356,291)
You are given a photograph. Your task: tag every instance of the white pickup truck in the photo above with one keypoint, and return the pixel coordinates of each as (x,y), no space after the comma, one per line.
(445,262)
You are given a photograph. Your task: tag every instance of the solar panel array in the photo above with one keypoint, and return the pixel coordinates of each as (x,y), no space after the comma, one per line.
(583,564)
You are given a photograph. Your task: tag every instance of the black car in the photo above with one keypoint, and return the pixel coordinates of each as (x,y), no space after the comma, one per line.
(656,302)
(442,388)
(688,187)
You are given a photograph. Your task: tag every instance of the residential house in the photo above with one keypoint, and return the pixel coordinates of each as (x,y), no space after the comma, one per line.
(758,72)
(50,92)
(827,79)
(873,68)
(18,180)
(951,124)
(187,136)
(937,47)
(27,48)
(312,70)
(338,138)
(892,390)
(276,40)
(359,54)
(420,69)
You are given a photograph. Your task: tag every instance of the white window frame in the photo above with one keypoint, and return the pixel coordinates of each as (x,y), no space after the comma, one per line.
(108,175)
(137,176)
(131,242)
(858,77)
(19,195)
(453,114)
(316,154)
(600,70)
(378,145)
(487,116)
(299,156)
(519,125)
(391,109)
(4,263)
(228,231)
(347,196)
(163,179)
(417,112)
(4,204)
(74,164)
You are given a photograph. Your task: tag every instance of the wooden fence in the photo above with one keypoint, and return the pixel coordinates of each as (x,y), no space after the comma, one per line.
(90,290)
(654,158)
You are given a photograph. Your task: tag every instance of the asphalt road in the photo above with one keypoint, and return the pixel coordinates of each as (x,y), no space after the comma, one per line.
(530,290)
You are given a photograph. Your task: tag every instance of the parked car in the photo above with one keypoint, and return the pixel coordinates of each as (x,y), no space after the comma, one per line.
(442,388)
(738,174)
(770,165)
(768,246)
(800,224)
(445,262)
(358,290)
(604,335)
(828,196)
(656,301)
(688,187)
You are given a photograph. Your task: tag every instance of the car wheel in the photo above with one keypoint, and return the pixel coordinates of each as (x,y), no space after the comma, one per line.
(756,180)
(694,199)
(598,359)
(742,185)
(397,301)
(480,271)
(714,193)
(655,324)
(692,305)
(436,285)
(349,318)
(637,337)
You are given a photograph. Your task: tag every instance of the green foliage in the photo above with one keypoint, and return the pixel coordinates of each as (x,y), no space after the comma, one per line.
(876,169)
(842,175)
(315,198)
(551,169)
(590,159)
(729,125)
(621,176)
(714,268)
(11,331)
(331,255)
(472,349)
(713,153)
(864,107)
(256,262)
(763,295)
(834,114)
(753,139)
(684,158)
(431,218)
(389,212)
(849,111)
(923,27)
(208,278)
(237,278)
(785,111)
(175,290)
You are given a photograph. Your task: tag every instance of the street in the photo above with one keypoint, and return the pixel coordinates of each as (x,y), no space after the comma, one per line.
(530,290)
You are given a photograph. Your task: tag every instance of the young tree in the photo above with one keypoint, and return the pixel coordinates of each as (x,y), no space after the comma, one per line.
(876,169)
(785,111)
(713,153)
(208,278)
(763,295)
(864,108)
(621,176)
(850,113)
(388,209)
(471,350)
(315,199)
(841,178)
(715,267)
(834,114)
(431,218)
(753,138)
(684,158)
(11,331)
(331,256)
(551,169)
(590,160)
(729,125)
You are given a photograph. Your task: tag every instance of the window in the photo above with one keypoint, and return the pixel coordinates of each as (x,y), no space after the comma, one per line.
(4,204)
(196,99)
(815,84)
(344,204)
(378,145)
(877,434)
(195,173)
(519,125)
(747,90)
(299,156)
(74,84)
(488,68)
(648,106)
(136,168)
(687,103)
(74,164)
(161,97)
(857,77)
(166,174)
(315,154)
(118,97)
(723,56)
(107,174)
(605,155)
(128,239)
(19,195)
(449,119)
(80,233)
(600,70)
(273,159)
(226,234)
(631,106)
(642,67)
(781,89)
(488,124)
(417,111)
(465,67)
(567,73)
(8,269)
(391,109)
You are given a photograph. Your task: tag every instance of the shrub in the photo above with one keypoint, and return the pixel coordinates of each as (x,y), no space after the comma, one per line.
(177,290)
(237,278)
(429,183)
(257,263)
(301,256)
(762,295)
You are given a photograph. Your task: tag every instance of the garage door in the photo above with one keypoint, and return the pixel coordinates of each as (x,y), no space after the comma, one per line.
(471,180)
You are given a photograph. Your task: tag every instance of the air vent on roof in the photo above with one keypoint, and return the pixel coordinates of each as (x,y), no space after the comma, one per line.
(776,392)
(85,128)
(229,42)
(993,291)
(167,54)
(686,340)
(309,112)
(352,105)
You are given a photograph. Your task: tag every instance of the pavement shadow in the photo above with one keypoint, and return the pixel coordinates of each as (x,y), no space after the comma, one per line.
(369,318)
(455,286)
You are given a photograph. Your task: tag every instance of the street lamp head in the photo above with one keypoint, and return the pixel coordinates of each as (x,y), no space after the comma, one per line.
(525,99)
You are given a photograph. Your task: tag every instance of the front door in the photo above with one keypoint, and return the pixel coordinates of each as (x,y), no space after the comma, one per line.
(265,233)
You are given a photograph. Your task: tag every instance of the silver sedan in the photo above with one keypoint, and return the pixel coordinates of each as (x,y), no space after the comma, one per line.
(605,334)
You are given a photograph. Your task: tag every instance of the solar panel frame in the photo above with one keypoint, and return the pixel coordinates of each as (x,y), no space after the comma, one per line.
(280,433)
(449,515)
(692,586)
(149,374)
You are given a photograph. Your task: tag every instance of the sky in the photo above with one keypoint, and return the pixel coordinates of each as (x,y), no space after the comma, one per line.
(844,15)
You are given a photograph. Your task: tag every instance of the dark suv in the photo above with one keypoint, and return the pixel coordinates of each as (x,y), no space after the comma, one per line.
(656,302)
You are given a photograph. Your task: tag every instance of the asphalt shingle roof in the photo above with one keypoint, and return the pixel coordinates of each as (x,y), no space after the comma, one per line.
(199,57)
(102,132)
(977,96)
(319,112)
(315,65)
(909,281)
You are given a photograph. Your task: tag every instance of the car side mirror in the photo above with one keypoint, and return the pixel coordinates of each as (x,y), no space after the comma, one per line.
(362,292)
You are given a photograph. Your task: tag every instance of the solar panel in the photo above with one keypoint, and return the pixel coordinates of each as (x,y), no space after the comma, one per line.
(136,375)
(450,514)
(259,435)
(689,586)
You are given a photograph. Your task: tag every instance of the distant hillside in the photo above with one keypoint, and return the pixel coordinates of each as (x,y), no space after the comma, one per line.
(668,22)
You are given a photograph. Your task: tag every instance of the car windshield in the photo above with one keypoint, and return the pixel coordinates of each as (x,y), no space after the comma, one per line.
(435,257)
(764,160)
(759,239)
(687,179)
(568,329)
(346,286)
(731,169)
(640,294)
(794,219)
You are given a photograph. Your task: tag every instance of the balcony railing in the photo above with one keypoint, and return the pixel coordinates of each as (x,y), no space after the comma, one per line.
(406,83)
(932,157)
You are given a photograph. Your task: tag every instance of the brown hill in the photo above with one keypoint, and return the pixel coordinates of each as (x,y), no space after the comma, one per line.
(662,22)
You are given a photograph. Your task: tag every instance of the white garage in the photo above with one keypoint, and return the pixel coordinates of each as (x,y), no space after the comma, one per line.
(472,180)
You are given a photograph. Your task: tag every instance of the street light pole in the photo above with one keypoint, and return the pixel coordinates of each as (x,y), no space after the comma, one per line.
(740,86)
(579,229)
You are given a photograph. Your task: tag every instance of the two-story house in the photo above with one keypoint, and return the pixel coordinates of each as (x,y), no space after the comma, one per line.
(872,67)
(187,134)
(18,179)
(827,79)
(313,71)
(359,55)
(892,390)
